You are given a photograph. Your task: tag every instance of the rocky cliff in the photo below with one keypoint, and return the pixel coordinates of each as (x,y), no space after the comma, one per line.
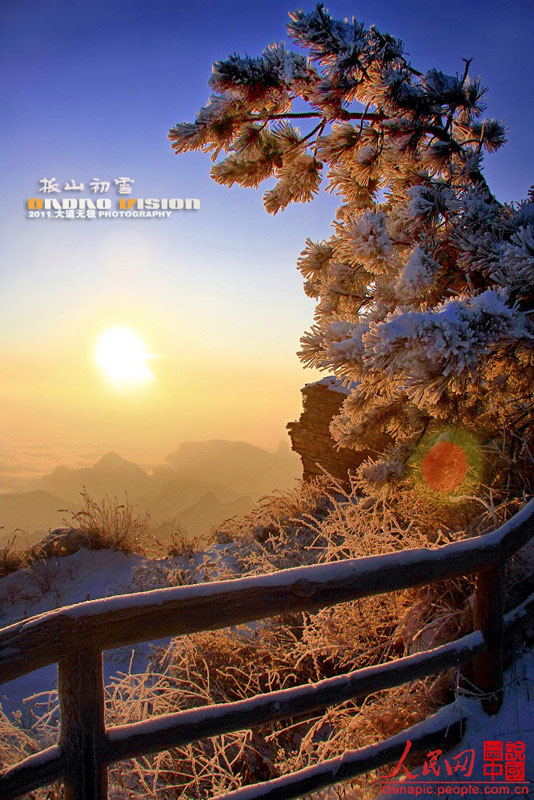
(310,436)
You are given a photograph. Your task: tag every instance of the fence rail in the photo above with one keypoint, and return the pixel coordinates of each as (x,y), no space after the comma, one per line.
(75,637)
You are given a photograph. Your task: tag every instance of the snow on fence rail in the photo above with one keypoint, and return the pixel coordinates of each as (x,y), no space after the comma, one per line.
(75,637)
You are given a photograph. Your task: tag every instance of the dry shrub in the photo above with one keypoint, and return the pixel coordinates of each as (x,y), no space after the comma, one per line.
(16,742)
(180,544)
(111,525)
(279,531)
(107,524)
(21,738)
(12,558)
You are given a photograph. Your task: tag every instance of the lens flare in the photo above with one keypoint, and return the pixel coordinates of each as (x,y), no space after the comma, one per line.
(444,467)
(448,463)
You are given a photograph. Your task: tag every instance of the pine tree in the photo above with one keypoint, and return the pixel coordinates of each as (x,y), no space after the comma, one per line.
(425,288)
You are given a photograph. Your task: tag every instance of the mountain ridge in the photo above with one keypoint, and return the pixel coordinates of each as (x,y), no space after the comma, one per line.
(196,487)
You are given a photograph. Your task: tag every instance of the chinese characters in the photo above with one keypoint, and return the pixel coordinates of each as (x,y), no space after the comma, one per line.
(123,185)
(502,763)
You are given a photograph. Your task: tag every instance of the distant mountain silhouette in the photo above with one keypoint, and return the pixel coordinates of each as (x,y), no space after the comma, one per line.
(179,494)
(247,469)
(209,511)
(112,475)
(202,484)
(33,512)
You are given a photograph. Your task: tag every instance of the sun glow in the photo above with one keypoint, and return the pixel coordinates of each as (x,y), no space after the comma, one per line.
(121,355)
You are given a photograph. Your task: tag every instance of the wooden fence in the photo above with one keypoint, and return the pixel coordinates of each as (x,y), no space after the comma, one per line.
(75,637)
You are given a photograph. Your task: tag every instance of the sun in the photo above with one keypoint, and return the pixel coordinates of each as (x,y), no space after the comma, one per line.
(121,355)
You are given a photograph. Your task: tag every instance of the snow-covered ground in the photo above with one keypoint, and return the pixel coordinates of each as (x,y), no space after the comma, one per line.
(92,574)
(89,575)
(471,771)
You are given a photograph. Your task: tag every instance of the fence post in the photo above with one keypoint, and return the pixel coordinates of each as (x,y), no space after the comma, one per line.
(488,616)
(81,697)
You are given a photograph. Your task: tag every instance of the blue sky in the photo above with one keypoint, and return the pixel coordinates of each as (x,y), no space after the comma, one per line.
(90,90)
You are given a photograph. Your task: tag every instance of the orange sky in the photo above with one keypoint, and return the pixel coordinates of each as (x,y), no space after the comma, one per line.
(57,392)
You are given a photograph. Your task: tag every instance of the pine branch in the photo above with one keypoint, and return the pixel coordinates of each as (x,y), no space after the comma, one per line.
(444,136)
(308,136)
(372,117)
